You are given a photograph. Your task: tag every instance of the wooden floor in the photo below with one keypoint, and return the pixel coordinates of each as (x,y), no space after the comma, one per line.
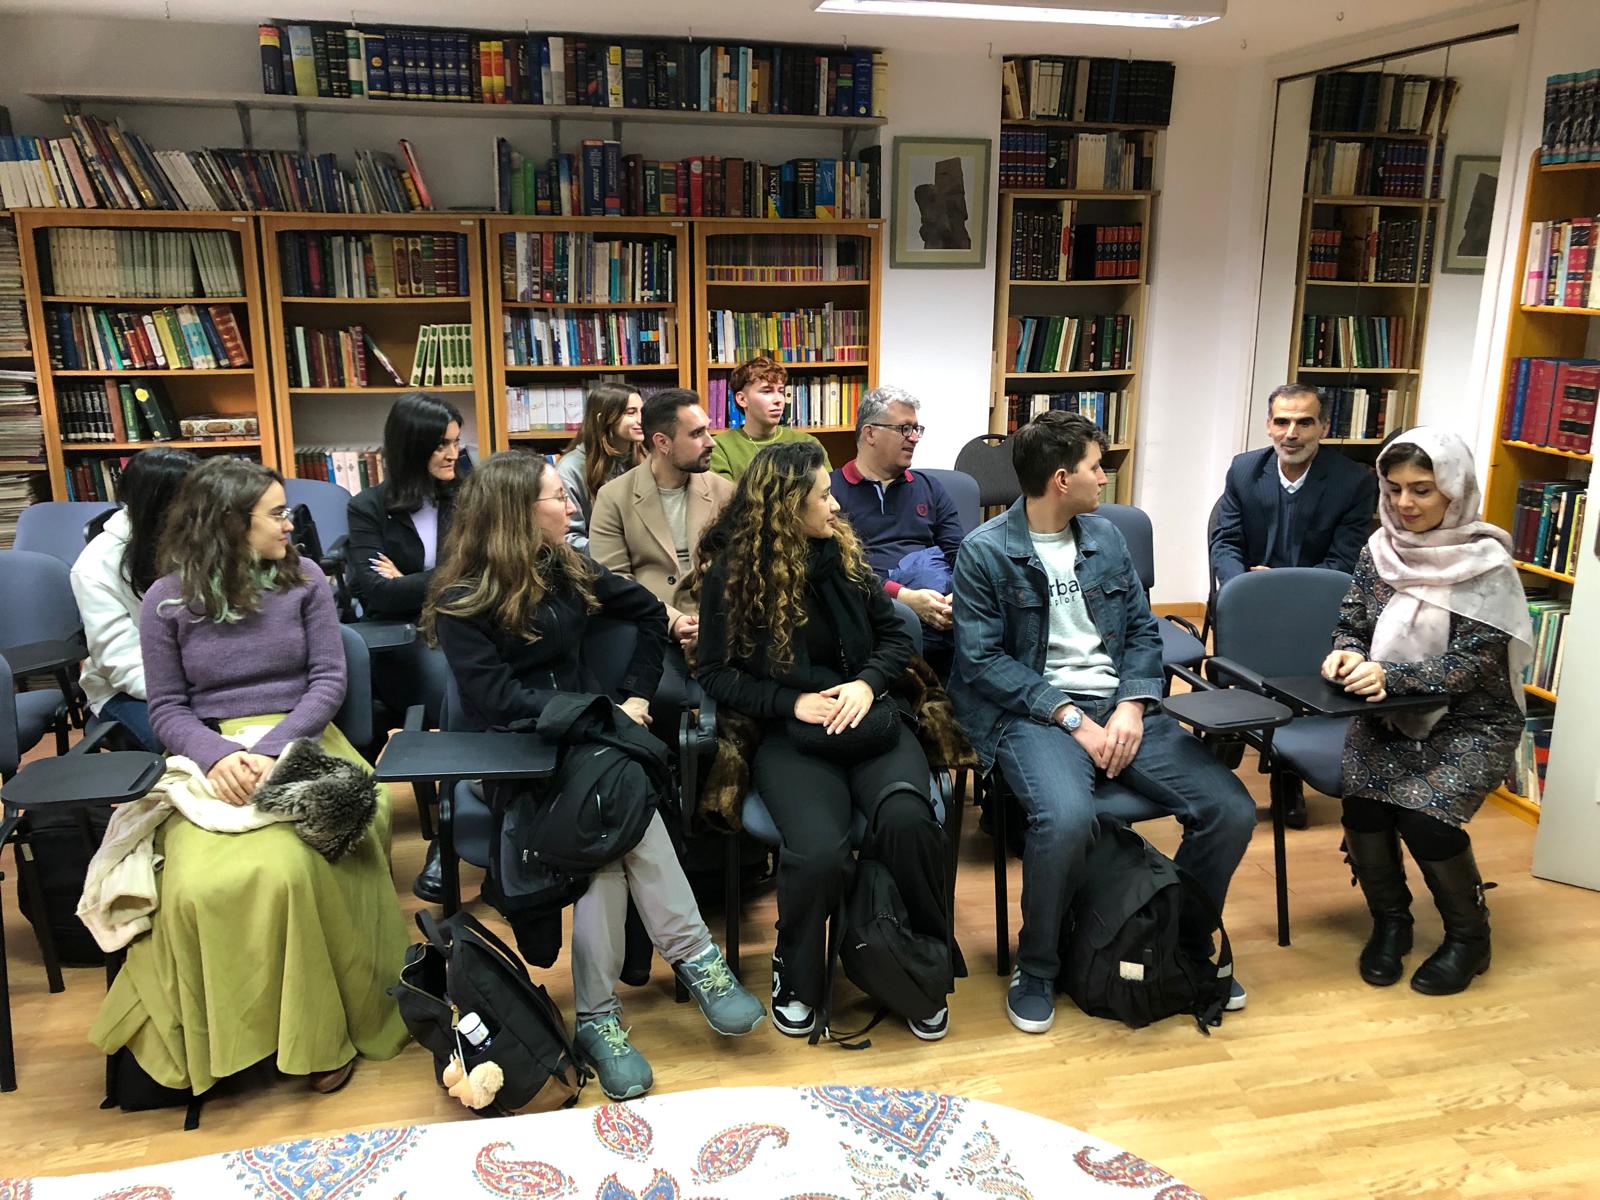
(1323,1088)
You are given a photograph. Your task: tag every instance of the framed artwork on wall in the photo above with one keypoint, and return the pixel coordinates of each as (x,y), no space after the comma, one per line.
(1473,182)
(940,207)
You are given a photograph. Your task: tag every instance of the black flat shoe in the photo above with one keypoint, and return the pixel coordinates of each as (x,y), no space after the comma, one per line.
(429,884)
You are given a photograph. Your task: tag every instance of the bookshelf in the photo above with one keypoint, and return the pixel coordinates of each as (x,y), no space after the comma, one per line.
(1541,331)
(825,280)
(237,391)
(24,476)
(651,288)
(334,407)
(1369,216)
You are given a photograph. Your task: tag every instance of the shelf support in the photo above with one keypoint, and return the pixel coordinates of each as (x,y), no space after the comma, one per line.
(243,112)
(300,130)
(555,138)
(848,140)
(616,129)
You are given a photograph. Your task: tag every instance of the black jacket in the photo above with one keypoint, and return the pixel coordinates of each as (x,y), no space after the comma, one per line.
(1334,510)
(848,634)
(375,530)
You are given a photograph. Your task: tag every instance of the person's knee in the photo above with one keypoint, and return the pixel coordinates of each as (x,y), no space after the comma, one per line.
(1057,822)
(906,815)
(816,863)
(1234,816)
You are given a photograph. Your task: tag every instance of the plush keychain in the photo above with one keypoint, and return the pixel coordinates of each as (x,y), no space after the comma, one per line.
(475,1090)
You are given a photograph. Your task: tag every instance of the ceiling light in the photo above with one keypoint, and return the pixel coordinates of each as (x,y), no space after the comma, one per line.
(1157,14)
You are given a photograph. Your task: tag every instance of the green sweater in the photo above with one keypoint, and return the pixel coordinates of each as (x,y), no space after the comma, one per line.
(735,448)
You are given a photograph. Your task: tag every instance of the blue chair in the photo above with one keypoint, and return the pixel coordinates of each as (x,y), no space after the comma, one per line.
(56,527)
(41,635)
(1181,645)
(988,460)
(964,493)
(329,504)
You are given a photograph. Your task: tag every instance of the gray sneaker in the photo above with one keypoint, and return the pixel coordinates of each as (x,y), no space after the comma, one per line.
(727,1006)
(622,1070)
(1030,1002)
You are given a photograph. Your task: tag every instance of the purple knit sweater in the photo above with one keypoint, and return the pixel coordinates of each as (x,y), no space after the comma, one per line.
(286,657)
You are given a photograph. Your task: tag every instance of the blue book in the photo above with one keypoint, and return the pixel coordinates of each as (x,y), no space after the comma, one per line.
(546,86)
(826,203)
(592,202)
(705,96)
(533,90)
(863,83)
(502,176)
(461,265)
(1519,400)
(377,66)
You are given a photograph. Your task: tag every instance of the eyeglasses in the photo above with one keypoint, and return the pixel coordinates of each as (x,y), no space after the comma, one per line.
(558,498)
(448,444)
(282,515)
(906,431)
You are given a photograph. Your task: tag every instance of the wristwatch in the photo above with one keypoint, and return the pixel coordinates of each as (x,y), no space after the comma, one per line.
(1071,719)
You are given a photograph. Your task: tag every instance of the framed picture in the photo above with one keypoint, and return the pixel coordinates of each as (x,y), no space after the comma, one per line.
(1466,228)
(941,202)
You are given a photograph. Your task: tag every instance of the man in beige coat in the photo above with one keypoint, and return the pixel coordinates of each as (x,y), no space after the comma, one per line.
(647,523)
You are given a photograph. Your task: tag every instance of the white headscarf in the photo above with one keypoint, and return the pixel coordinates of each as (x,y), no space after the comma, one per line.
(1463,566)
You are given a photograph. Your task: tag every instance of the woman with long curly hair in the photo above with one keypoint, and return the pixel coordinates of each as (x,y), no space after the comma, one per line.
(610,442)
(509,606)
(260,948)
(796,631)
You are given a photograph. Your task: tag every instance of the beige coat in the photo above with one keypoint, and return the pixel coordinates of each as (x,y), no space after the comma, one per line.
(628,532)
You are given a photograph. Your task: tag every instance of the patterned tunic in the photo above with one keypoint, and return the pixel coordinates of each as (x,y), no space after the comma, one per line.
(1469,750)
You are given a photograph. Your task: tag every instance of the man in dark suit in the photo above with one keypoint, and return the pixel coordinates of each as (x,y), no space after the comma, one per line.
(1290,505)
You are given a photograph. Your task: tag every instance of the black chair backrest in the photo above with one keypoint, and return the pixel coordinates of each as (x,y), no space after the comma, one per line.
(354,718)
(964,494)
(1279,622)
(988,460)
(1134,525)
(96,525)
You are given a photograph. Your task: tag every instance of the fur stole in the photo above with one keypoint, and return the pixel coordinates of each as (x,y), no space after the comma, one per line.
(330,800)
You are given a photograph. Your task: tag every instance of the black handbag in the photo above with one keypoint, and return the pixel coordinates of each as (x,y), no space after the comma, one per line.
(877,734)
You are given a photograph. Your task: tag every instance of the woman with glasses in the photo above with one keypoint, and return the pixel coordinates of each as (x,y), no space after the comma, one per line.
(260,947)
(610,442)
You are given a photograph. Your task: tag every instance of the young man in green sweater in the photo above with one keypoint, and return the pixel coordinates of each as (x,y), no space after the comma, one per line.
(757,388)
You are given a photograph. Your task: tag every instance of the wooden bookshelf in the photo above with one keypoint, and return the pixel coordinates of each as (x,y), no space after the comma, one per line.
(352,417)
(32,479)
(714,292)
(1554,193)
(1081,298)
(230,391)
(504,375)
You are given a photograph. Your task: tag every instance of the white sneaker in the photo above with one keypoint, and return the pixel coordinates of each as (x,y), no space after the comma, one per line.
(790,1014)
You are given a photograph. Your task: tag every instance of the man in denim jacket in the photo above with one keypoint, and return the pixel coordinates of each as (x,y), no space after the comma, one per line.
(1058,682)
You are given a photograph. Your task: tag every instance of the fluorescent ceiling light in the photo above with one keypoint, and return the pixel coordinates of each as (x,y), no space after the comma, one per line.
(1161,14)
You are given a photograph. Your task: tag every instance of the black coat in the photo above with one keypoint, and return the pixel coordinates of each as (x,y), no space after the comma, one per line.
(1334,510)
(375,530)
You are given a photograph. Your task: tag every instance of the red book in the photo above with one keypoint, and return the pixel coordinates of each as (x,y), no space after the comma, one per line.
(1541,394)
(1577,387)
(1580,254)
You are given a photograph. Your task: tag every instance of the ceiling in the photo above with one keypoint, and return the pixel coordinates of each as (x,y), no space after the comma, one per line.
(1252,29)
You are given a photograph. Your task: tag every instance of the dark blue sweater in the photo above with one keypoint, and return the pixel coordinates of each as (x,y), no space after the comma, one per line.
(897,519)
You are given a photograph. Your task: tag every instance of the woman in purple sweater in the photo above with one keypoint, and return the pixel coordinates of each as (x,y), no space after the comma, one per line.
(260,947)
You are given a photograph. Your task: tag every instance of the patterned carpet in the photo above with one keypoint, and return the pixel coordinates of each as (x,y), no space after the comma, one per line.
(817,1143)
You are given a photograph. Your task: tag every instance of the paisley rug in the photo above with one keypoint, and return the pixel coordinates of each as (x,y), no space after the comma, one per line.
(760,1143)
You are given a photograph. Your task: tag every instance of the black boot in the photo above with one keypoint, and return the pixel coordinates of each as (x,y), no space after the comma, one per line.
(1458,892)
(1375,865)
(1294,802)
(429,884)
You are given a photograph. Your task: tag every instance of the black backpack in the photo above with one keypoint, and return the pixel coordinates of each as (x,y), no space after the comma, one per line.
(1121,954)
(463,968)
(61,860)
(906,972)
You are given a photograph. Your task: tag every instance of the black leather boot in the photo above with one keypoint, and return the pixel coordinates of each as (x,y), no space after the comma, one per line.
(1375,865)
(1458,892)
(1294,802)
(429,884)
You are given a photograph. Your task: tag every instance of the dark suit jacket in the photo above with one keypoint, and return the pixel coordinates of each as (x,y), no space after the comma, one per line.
(374,530)
(1334,511)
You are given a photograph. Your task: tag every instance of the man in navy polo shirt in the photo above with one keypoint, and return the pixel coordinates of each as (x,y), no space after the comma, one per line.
(907,522)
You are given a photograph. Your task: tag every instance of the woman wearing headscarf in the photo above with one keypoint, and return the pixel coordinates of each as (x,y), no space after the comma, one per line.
(1436,608)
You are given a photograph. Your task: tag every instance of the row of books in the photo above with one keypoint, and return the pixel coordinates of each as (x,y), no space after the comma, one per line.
(1372,245)
(1548,615)
(486,67)
(1380,102)
(1047,244)
(144,262)
(800,335)
(789,258)
(13,303)
(567,338)
(1056,345)
(1086,162)
(1109,410)
(187,337)
(1355,412)
(1571,118)
(1553,403)
(1527,774)
(829,401)
(115,410)
(588,268)
(1561,264)
(373,265)
(600,181)
(90,477)
(1357,342)
(352,468)
(1547,524)
(21,427)
(1050,87)
(1399,170)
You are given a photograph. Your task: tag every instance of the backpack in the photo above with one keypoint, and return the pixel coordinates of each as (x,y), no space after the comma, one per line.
(305,536)
(61,863)
(463,968)
(906,972)
(1121,955)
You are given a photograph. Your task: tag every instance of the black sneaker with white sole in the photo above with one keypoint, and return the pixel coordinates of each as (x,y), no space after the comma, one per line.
(790,1014)
(934,1028)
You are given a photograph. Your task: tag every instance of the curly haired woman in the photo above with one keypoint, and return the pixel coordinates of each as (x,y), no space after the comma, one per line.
(610,442)
(794,626)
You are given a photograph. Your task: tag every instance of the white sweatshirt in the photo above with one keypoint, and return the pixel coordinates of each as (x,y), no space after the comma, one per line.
(110,613)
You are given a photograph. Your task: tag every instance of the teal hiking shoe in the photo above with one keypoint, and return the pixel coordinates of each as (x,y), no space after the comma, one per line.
(622,1070)
(727,1006)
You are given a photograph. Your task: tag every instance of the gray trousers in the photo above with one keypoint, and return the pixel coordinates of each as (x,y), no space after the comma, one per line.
(652,875)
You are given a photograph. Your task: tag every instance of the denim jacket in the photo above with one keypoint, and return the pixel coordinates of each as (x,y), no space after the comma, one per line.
(1002,624)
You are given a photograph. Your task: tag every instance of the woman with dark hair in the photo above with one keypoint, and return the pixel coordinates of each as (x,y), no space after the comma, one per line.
(1437,609)
(610,442)
(509,607)
(260,948)
(110,579)
(796,631)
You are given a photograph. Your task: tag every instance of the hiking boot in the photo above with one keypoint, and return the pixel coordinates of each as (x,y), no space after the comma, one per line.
(622,1070)
(790,1014)
(1031,1002)
(934,1028)
(727,1006)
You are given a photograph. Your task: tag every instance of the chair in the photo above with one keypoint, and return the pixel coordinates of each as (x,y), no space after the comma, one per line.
(41,635)
(1181,644)
(93,527)
(329,505)
(56,527)
(988,460)
(1211,572)
(964,493)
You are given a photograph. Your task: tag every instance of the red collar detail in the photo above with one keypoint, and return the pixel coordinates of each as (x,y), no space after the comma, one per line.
(852,473)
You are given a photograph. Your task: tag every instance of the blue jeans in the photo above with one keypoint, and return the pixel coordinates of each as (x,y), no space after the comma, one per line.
(1054,779)
(134,716)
